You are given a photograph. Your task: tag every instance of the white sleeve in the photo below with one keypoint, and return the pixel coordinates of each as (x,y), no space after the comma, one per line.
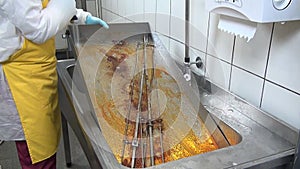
(81,15)
(35,23)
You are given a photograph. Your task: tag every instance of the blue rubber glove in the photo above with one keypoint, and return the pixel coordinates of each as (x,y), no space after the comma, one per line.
(94,20)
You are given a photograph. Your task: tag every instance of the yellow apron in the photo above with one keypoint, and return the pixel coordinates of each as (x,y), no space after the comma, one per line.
(32,78)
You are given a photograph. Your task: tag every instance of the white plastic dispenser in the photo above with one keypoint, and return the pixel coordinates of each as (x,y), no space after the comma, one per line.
(240,17)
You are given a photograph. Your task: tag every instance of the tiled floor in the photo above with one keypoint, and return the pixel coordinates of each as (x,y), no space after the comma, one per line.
(9,158)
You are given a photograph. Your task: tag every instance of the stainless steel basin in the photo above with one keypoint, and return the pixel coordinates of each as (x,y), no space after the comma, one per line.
(246,136)
(254,145)
(223,134)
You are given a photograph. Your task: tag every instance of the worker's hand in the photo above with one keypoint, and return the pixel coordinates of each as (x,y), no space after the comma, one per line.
(94,20)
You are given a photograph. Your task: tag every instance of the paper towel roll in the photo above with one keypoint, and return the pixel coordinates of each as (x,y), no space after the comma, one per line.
(242,28)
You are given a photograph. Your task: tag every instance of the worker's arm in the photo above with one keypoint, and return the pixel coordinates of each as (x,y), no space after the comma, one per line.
(35,23)
(87,18)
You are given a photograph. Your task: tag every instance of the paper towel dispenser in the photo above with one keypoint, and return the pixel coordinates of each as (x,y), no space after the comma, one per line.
(261,11)
(257,11)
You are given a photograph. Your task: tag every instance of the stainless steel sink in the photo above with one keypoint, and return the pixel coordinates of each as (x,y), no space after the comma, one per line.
(258,141)
(223,134)
(246,136)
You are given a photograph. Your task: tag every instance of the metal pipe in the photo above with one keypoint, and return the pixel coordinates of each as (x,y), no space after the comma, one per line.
(125,140)
(135,140)
(135,143)
(187,71)
(150,125)
(145,145)
(187,31)
(142,143)
(161,141)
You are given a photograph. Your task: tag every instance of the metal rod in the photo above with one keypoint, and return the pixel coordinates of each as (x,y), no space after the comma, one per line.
(135,141)
(145,144)
(143,127)
(187,60)
(161,141)
(160,120)
(187,31)
(150,125)
(142,142)
(125,140)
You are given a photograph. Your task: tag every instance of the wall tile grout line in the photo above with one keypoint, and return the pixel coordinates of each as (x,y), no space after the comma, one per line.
(176,40)
(248,71)
(114,13)
(295,92)
(217,58)
(290,90)
(231,64)
(266,67)
(207,43)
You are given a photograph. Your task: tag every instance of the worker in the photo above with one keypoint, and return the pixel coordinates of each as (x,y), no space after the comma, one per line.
(29,112)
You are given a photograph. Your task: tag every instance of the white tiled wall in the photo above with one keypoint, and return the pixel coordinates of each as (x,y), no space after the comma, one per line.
(150,7)
(163,17)
(283,104)
(253,55)
(218,71)
(265,71)
(177,50)
(199,25)
(247,85)
(220,44)
(284,64)
(177,26)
